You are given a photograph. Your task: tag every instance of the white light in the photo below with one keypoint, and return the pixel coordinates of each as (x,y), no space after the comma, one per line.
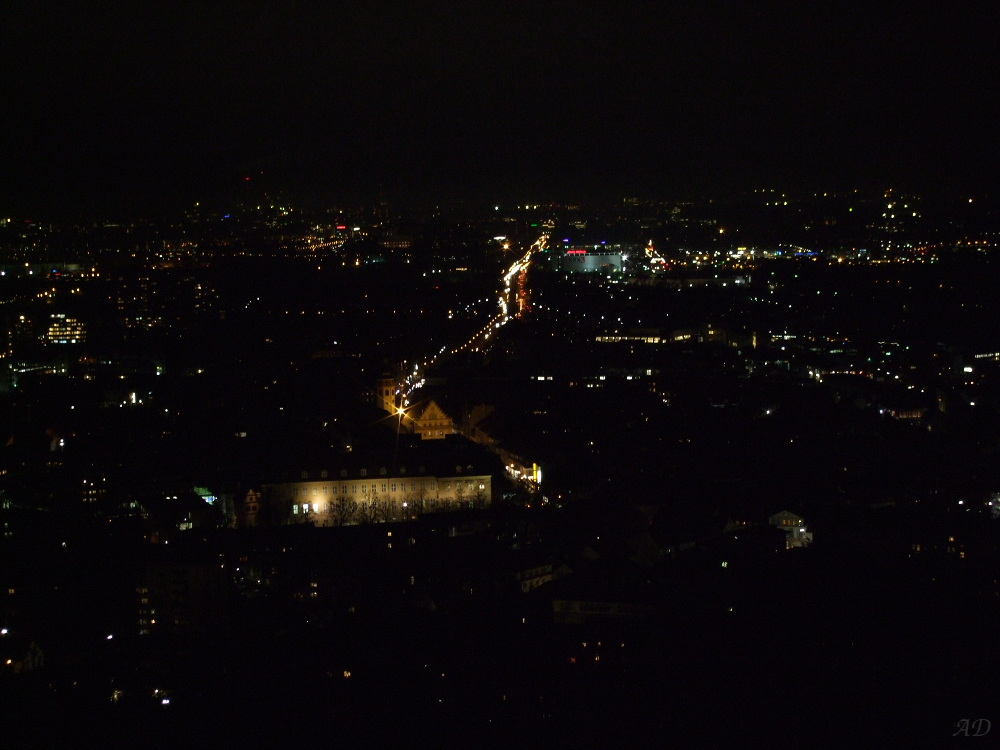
(110,637)
(165,702)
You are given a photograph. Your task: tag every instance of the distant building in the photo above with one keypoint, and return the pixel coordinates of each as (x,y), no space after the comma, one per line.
(63,330)
(795,528)
(363,495)
(396,242)
(433,423)
(250,508)
(386,394)
(701,334)
(577,612)
(93,490)
(591,260)
(182,596)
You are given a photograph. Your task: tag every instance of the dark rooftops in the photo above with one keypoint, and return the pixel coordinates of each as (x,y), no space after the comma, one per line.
(453,456)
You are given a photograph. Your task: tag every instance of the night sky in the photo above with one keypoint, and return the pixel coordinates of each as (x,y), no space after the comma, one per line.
(155,105)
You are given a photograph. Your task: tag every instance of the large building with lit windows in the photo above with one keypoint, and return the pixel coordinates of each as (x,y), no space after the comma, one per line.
(591,259)
(454,474)
(433,423)
(63,330)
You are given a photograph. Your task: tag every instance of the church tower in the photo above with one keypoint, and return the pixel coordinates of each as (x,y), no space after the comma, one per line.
(385,394)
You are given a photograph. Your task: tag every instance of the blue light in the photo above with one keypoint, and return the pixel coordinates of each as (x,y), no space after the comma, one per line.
(226,216)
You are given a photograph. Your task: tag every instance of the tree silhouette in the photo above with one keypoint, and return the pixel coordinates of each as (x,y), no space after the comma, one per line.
(481,498)
(365,513)
(344,512)
(381,511)
(275,508)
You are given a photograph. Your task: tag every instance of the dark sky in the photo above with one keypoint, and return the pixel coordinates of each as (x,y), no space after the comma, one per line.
(159,104)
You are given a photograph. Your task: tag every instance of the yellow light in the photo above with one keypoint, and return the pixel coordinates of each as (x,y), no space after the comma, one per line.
(399,410)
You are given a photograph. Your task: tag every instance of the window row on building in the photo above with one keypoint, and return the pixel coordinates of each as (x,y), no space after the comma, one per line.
(317,502)
(394,487)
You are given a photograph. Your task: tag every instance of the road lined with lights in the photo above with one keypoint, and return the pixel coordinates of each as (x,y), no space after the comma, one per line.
(517,270)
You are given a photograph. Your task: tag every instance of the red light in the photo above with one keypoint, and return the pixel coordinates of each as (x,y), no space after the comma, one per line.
(341,226)
(247,179)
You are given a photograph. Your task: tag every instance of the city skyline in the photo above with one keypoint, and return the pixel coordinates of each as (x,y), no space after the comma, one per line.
(532,375)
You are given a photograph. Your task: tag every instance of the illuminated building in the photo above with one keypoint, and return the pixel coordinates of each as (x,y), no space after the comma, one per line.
(396,242)
(705,333)
(387,394)
(373,494)
(433,423)
(93,490)
(591,260)
(63,330)
(250,508)
(794,527)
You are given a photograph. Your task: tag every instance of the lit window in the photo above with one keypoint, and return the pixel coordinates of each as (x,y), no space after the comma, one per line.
(295,509)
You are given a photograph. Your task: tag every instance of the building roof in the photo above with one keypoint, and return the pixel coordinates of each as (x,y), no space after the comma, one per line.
(403,457)
(432,412)
(786,515)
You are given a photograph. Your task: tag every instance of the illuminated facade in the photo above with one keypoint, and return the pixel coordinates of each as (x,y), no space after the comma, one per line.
(591,260)
(63,330)
(796,533)
(364,495)
(433,423)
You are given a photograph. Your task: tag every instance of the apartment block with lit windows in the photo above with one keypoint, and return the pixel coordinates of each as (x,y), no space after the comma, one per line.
(63,330)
